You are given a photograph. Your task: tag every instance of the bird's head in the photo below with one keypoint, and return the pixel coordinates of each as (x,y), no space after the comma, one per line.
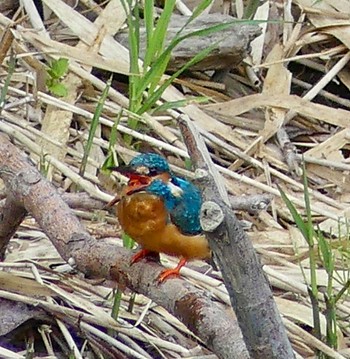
(143,169)
(149,164)
(168,191)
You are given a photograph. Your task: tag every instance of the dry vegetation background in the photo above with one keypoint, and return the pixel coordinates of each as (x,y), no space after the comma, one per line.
(289,97)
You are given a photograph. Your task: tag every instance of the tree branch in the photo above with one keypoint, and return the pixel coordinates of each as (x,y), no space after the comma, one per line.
(207,319)
(249,290)
(12,216)
(251,203)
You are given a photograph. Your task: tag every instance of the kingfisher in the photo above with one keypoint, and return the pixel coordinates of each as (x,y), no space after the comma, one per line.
(160,211)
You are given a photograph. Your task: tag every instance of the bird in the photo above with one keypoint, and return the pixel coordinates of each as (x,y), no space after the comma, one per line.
(160,211)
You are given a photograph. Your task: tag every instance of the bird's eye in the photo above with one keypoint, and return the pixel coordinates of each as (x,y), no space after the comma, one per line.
(153,172)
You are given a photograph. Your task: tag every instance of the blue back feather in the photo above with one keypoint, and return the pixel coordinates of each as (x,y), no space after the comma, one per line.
(186,213)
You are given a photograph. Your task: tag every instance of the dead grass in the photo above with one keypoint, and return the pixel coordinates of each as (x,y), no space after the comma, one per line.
(305,105)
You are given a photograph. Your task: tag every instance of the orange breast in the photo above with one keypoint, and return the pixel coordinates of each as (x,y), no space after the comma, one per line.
(144,218)
(141,215)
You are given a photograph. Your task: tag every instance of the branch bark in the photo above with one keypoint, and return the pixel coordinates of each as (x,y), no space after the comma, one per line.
(12,216)
(207,319)
(249,290)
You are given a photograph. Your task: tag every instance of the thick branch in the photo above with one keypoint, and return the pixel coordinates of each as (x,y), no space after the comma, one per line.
(11,216)
(249,290)
(82,201)
(208,320)
(232,43)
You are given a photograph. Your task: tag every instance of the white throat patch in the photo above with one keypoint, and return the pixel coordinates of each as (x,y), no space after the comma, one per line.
(175,190)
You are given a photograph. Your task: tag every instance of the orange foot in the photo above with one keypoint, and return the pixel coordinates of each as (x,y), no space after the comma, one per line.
(172,272)
(143,253)
(140,255)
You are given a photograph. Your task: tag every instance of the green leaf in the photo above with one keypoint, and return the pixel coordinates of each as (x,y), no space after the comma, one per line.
(58,89)
(296,216)
(58,68)
(108,163)
(128,242)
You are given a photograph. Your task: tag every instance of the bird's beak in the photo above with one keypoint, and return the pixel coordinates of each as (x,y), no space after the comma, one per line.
(124,170)
(137,183)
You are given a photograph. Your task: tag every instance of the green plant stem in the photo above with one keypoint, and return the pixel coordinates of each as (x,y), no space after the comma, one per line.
(331,322)
(116,304)
(312,258)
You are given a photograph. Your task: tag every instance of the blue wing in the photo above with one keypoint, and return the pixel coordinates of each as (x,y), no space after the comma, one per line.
(186,211)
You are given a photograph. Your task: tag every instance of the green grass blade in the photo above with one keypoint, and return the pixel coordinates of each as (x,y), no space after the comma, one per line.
(156,47)
(110,160)
(155,96)
(331,322)
(219,27)
(116,306)
(296,216)
(198,10)
(149,25)
(160,31)
(134,50)
(195,13)
(93,126)
(326,253)
(344,289)
(180,103)
(307,205)
(135,79)
(156,72)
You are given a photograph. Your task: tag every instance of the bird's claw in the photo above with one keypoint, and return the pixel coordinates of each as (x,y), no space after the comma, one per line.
(139,255)
(165,274)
